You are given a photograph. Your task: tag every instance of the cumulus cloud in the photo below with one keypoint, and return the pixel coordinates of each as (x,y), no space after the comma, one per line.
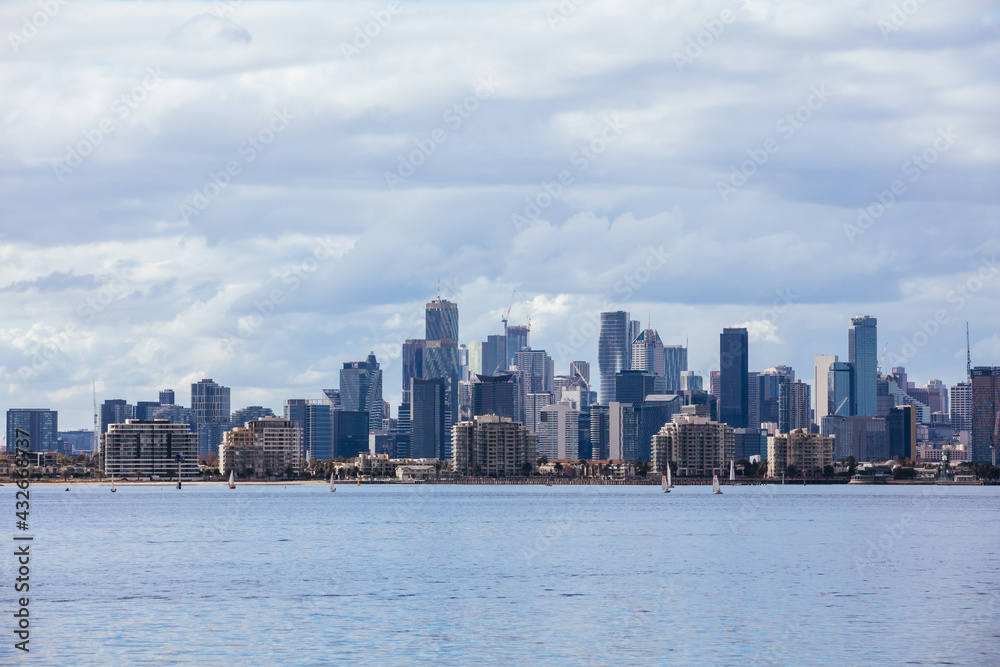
(631,218)
(207,31)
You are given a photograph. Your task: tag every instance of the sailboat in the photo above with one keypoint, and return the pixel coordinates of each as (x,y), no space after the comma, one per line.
(664,484)
(715,484)
(670,479)
(732,470)
(232,478)
(333,489)
(113,489)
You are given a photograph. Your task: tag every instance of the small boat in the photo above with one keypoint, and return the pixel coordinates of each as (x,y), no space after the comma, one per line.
(333,489)
(732,470)
(715,484)
(670,479)
(113,489)
(664,484)
(67,488)
(232,479)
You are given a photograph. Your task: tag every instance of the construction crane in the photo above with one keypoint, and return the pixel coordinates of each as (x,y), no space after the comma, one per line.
(97,428)
(837,411)
(502,364)
(527,316)
(882,358)
(996,432)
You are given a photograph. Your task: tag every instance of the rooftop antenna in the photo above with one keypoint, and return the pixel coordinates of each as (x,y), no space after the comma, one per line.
(968,354)
(97,440)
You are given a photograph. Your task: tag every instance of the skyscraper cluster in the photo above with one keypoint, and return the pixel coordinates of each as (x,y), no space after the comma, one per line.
(860,409)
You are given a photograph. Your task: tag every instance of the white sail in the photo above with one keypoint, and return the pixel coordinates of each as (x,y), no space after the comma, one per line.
(732,470)
(232,478)
(664,484)
(670,481)
(715,484)
(332,487)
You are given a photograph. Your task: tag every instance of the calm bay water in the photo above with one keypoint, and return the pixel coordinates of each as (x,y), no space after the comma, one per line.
(422,574)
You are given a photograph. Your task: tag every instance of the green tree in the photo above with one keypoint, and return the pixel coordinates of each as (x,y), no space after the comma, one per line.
(827,471)
(791,471)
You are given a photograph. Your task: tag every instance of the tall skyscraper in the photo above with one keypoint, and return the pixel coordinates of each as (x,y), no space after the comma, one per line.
(167,397)
(441,354)
(599,431)
(691,382)
(862,343)
(494,395)
(516,340)
(314,419)
(428,419)
(441,320)
(793,407)
(675,362)
(839,385)
(115,411)
(41,425)
(580,369)
(210,402)
(559,432)
(901,429)
(613,350)
(350,433)
(985,412)
(821,381)
(361,389)
(734,361)
(413,363)
(961,406)
(250,413)
(647,353)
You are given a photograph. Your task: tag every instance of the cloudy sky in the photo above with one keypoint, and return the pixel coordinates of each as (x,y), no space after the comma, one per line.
(259,191)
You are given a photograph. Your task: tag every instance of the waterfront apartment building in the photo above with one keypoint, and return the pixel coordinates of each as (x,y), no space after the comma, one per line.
(808,453)
(493,446)
(149,449)
(698,446)
(41,425)
(559,432)
(262,448)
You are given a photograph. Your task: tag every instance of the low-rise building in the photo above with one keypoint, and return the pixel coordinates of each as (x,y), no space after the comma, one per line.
(808,452)
(698,446)
(151,448)
(264,447)
(494,446)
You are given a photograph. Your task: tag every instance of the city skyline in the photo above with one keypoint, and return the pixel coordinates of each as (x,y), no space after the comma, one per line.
(394,398)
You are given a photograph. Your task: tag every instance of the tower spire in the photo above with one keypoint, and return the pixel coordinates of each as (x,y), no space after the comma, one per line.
(968,354)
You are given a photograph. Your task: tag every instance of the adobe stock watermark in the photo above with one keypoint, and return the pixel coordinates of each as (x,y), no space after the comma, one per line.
(294,278)
(786,126)
(116,289)
(122,107)
(580,159)
(898,17)
(958,297)
(562,13)
(700,43)
(580,334)
(454,117)
(366,34)
(914,167)
(247,152)
(30,26)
